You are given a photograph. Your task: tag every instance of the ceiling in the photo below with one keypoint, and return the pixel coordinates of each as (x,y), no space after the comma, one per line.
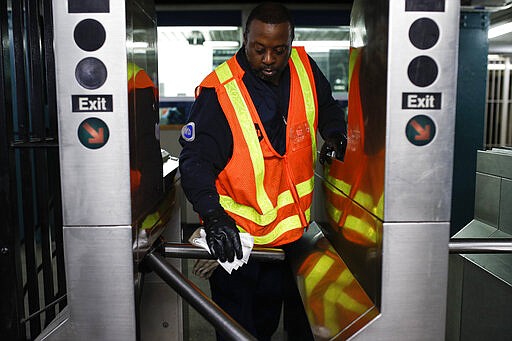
(500,12)
(503,43)
(188,2)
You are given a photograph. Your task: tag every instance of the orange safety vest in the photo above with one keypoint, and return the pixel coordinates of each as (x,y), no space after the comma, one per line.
(359,178)
(268,195)
(333,297)
(139,79)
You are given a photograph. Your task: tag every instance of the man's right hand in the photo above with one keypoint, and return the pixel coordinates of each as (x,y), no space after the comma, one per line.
(222,236)
(333,148)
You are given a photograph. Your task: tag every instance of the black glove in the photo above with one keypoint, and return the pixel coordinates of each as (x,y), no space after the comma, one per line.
(222,235)
(333,146)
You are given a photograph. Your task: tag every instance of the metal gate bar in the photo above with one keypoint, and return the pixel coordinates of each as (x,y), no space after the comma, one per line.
(178,250)
(480,245)
(222,322)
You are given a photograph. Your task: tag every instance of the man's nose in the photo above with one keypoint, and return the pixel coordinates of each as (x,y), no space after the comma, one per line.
(268,57)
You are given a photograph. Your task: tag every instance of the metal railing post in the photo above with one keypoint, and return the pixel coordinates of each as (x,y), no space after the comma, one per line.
(222,322)
(480,245)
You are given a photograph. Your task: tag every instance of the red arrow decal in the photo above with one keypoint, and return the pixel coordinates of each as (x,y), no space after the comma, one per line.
(97,136)
(423,132)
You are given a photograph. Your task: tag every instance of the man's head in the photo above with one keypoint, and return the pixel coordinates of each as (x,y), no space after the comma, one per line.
(268,37)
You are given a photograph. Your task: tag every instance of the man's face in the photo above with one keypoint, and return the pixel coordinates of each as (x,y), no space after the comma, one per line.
(268,47)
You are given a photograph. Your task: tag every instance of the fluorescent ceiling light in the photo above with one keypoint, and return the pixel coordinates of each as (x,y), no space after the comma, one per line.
(499,30)
(220,44)
(137,44)
(496,66)
(196,28)
(494,57)
(326,45)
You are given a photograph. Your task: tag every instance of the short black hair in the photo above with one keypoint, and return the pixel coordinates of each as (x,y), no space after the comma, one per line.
(270,13)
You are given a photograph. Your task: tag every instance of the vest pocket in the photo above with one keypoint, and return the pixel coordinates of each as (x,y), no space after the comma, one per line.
(300,136)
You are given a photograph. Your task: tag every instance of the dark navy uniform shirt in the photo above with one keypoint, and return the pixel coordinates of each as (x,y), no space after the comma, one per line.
(205,155)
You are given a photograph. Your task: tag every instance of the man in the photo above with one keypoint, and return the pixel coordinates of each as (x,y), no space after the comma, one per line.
(247,163)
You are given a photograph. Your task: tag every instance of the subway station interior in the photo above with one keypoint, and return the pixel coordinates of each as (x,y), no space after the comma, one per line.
(410,236)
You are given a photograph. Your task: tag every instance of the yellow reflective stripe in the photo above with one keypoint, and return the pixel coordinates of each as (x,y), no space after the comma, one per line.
(253,144)
(308,214)
(354,53)
(305,187)
(150,220)
(223,72)
(285,198)
(361,227)
(309,99)
(133,69)
(333,212)
(314,277)
(281,228)
(339,184)
(331,188)
(364,199)
(251,214)
(335,296)
(317,273)
(333,181)
(380,207)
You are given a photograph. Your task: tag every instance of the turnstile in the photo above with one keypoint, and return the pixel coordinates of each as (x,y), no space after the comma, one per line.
(115,194)
(388,204)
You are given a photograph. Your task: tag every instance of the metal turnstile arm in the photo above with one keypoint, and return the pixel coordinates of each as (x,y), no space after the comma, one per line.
(480,245)
(222,322)
(179,250)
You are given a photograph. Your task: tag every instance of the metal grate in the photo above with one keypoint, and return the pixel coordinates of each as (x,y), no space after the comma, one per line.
(33,286)
(498,123)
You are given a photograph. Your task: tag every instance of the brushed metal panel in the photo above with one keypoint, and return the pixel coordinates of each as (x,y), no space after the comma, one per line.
(414,283)
(357,237)
(419,178)
(500,234)
(95,182)
(100,283)
(335,303)
(505,221)
(497,265)
(495,161)
(486,307)
(454,299)
(487,198)
(161,310)
(145,153)
(361,175)
(475,229)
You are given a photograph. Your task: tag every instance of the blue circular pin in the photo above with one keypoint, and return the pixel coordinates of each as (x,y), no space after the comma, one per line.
(188,132)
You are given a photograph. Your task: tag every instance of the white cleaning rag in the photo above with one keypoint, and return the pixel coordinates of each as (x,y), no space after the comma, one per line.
(247,243)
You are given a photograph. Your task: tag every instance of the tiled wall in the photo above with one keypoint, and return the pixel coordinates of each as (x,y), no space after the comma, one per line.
(493,197)
(480,285)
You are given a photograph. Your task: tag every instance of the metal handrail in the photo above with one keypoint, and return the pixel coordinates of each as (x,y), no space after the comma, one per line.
(179,250)
(222,322)
(480,245)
